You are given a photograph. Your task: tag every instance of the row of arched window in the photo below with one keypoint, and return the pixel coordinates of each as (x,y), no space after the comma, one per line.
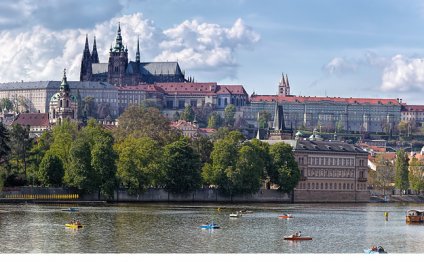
(330,186)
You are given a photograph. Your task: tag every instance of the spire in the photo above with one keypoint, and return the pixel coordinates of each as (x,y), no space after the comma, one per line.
(94,55)
(86,53)
(287,81)
(137,54)
(118,42)
(64,86)
(276,118)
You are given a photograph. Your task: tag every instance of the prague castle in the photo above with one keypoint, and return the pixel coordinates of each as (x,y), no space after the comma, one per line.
(119,71)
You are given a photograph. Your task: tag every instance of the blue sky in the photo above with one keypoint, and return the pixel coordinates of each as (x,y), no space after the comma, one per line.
(327,47)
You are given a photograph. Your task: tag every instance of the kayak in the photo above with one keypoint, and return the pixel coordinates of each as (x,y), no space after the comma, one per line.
(209,226)
(71,209)
(294,238)
(285,216)
(73,225)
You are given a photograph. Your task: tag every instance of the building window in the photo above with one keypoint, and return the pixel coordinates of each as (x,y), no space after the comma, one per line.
(225,101)
(169,104)
(181,104)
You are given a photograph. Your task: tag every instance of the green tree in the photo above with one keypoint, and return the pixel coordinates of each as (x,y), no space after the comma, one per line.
(79,168)
(63,136)
(103,162)
(221,171)
(37,152)
(214,120)
(188,114)
(384,174)
(401,171)
(139,122)
(203,146)
(229,115)
(4,143)
(6,103)
(181,167)
(285,171)
(20,145)
(139,163)
(416,175)
(51,170)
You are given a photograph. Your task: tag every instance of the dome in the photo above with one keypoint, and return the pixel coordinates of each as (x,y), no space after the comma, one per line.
(55,97)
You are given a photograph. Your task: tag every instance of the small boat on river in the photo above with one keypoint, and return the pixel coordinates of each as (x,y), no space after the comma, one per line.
(74,225)
(285,216)
(209,226)
(297,237)
(414,216)
(375,250)
(245,211)
(71,209)
(236,215)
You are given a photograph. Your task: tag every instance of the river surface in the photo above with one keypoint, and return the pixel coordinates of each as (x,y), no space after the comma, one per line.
(174,228)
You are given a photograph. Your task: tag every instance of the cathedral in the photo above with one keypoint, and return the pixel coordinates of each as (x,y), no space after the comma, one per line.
(119,71)
(63,105)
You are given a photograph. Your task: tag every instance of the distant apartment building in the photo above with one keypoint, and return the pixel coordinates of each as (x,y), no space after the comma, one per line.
(175,96)
(327,113)
(34,97)
(413,114)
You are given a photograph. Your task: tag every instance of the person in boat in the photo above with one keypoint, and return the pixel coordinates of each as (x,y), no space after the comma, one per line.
(374,248)
(380,249)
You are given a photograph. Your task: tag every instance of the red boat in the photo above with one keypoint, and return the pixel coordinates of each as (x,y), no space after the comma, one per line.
(297,238)
(286,216)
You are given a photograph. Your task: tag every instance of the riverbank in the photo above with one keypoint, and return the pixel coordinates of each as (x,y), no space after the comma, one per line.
(397,198)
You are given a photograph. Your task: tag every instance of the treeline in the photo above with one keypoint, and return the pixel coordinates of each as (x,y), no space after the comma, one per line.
(143,152)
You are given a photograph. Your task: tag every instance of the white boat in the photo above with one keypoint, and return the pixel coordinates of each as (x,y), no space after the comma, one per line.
(237,214)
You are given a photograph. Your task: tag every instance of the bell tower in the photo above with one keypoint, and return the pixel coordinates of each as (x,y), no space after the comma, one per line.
(118,61)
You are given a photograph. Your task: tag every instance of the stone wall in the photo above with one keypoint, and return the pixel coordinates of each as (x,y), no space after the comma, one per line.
(320,196)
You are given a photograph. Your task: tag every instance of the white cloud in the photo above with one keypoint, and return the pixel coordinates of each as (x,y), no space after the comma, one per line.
(339,65)
(403,74)
(206,47)
(41,53)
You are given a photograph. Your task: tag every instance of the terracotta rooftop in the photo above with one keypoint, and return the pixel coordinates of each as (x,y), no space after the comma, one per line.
(306,99)
(32,119)
(415,108)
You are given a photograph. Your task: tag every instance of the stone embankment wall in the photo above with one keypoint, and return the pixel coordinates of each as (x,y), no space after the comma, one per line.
(201,195)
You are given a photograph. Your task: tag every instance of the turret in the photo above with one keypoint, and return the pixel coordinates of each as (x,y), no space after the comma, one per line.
(94,55)
(284,86)
(86,70)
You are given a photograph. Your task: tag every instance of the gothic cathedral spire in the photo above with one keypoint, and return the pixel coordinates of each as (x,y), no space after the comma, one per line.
(86,70)
(94,54)
(137,55)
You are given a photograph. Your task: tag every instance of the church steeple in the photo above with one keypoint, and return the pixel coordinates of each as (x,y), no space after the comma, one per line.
(86,53)
(284,86)
(86,70)
(64,86)
(118,42)
(94,55)
(137,54)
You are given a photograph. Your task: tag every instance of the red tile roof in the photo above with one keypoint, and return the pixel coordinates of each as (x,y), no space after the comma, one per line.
(32,119)
(415,108)
(303,99)
(208,88)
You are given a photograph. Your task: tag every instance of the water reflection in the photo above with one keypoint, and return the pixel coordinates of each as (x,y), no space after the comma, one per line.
(162,228)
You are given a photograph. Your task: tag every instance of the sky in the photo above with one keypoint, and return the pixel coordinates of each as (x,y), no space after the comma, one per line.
(361,48)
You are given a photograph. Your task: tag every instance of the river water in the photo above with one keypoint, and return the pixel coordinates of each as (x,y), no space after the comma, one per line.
(174,228)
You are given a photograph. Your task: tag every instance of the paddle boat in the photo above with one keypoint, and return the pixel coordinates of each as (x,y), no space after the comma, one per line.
(71,209)
(414,216)
(285,216)
(297,237)
(209,226)
(244,211)
(375,250)
(236,215)
(74,225)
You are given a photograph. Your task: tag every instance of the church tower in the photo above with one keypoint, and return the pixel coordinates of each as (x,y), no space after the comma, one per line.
(86,70)
(63,105)
(284,86)
(118,61)
(94,55)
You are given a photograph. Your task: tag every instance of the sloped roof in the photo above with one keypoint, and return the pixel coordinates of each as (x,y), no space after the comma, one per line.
(312,99)
(159,68)
(413,108)
(329,146)
(32,119)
